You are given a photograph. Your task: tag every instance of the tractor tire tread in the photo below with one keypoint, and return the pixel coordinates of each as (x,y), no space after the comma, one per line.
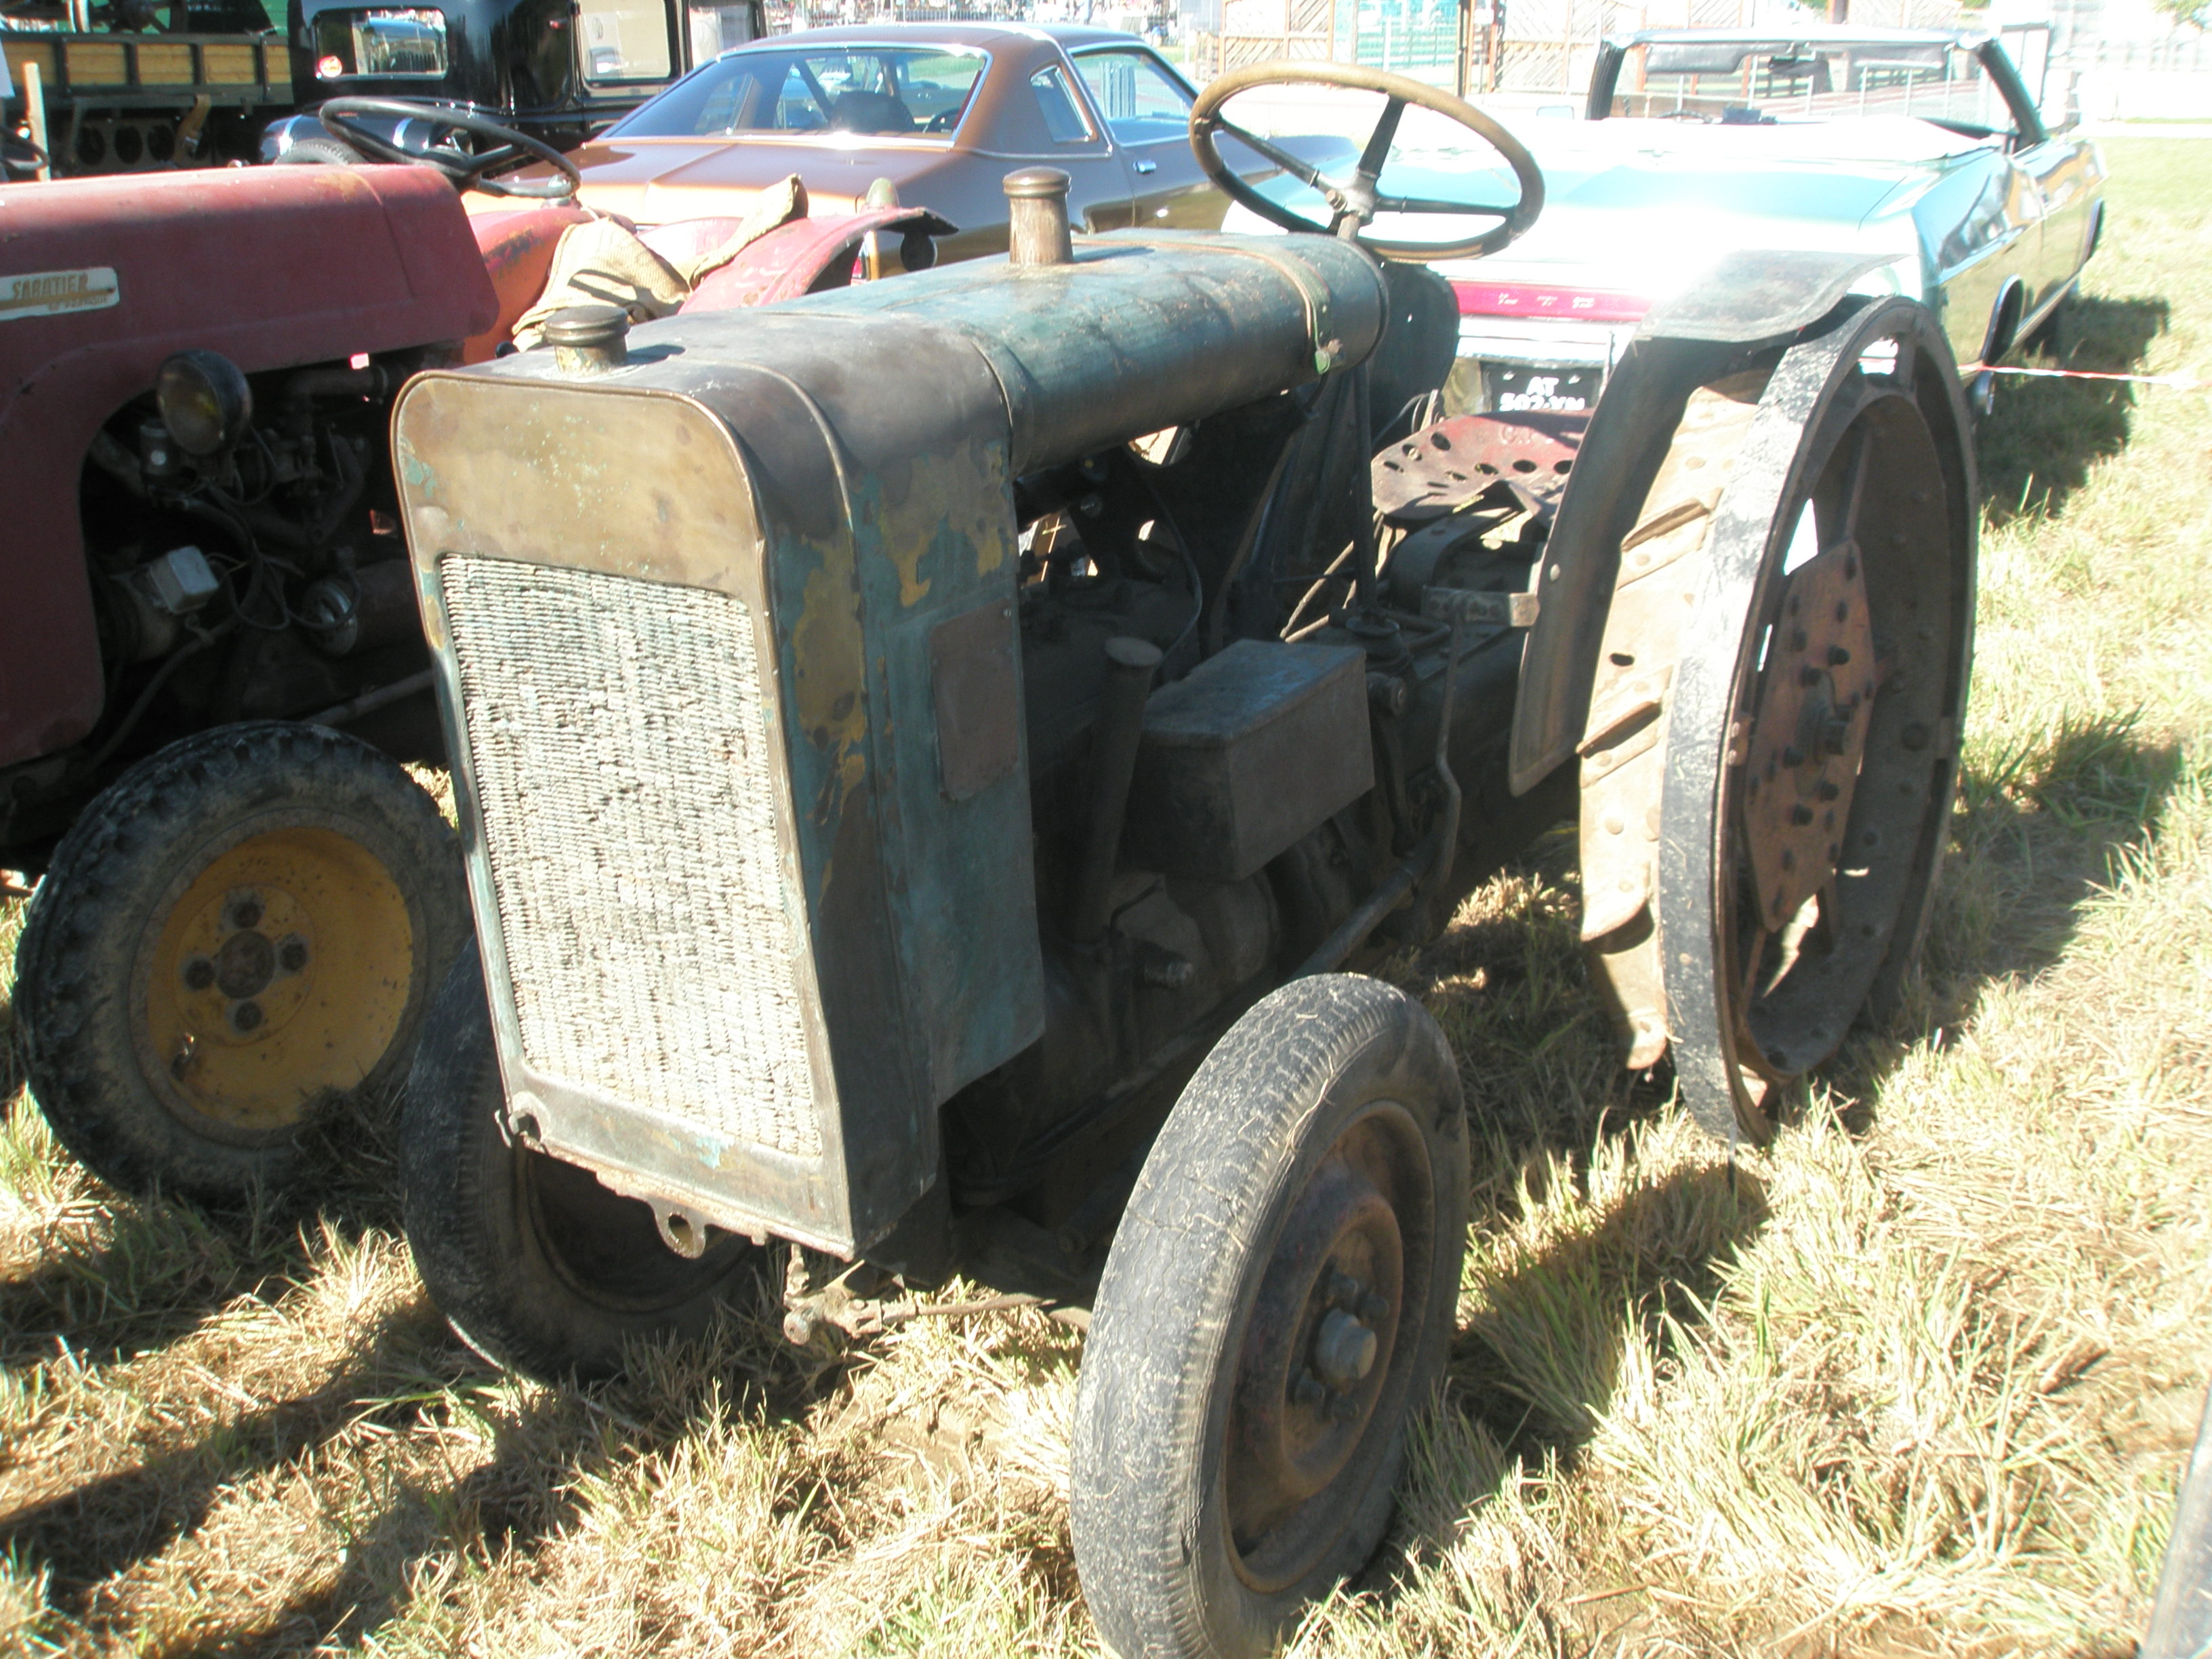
(73,960)
(1224,1157)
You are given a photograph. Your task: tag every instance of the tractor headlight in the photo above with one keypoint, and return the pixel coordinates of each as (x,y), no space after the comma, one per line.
(204,401)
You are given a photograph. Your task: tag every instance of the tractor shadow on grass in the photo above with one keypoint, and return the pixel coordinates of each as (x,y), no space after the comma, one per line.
(547,1445)
(410,1385)
(2038,831)
(1558,1331)
(128,1275)
(100,1528)
(2038,444)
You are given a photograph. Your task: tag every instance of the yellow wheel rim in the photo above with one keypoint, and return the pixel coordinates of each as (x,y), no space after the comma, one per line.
(281,975)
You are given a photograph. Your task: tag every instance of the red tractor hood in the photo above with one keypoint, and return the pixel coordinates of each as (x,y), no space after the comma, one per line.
(102,278)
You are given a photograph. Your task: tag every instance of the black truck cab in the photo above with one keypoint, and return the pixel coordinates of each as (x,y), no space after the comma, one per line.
(558,70)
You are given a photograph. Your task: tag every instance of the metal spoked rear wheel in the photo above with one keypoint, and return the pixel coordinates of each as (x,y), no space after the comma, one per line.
(1795,785)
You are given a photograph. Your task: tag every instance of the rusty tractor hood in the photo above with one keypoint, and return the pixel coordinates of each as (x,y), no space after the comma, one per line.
(102,278)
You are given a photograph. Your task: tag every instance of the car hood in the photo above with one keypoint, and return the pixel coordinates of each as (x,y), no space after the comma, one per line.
(653,180)
(1647,207)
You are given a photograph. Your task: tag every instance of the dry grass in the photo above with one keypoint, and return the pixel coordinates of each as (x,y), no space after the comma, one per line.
(1919,1379)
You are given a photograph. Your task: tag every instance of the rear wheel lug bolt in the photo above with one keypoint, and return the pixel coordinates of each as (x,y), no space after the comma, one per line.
(246,1016)
(199,974)
(1307,1390)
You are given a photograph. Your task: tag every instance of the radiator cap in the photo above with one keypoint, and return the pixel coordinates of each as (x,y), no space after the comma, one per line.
(589,339)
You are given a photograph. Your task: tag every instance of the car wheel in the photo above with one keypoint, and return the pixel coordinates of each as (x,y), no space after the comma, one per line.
(243,929)
(1277,1302)
(535,1266)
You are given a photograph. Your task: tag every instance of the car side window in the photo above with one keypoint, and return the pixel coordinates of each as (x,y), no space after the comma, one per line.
(1143,103)
(795,108)
(623,40)
(1064,119)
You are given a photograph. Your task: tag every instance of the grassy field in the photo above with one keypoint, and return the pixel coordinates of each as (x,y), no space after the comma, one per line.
(1920,1380)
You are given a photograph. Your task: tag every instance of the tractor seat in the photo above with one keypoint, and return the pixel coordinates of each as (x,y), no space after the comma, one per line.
(684,242)
(518,255)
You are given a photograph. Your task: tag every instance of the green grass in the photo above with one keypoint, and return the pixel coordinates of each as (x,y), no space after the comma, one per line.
(1919,1379)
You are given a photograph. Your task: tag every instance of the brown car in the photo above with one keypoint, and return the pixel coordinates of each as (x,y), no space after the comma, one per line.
(945,111)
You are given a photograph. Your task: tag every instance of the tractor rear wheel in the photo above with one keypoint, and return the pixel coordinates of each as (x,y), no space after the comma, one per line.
(535,1266)
(1771,754)
(241,930)
(1278,1302)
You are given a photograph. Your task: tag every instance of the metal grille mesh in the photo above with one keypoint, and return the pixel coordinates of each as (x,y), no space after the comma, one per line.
(624,772)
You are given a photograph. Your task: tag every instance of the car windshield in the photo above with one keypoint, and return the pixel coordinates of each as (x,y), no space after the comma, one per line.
(903,91)
(1761,82)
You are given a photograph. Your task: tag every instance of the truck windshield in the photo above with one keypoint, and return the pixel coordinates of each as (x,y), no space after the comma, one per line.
(381,42)
(1745,82)
(919,91)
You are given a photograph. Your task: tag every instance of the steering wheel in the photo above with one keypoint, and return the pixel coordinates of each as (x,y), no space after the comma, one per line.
(341,118)
(1355,202)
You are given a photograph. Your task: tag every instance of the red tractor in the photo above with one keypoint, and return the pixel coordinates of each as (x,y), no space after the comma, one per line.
(210,663)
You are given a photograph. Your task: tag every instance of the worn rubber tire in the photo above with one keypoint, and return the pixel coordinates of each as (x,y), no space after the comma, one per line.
(127,867)
(535,1266)
(1231,1168)
(319,150)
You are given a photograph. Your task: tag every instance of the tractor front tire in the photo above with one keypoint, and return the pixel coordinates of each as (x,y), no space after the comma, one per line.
(535,1264)
(1278,1302)
(239,933)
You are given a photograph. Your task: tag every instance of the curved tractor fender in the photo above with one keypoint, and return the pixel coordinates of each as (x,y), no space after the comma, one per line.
(1752,302)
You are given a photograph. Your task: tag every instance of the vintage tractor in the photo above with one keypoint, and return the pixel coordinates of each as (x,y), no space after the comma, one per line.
(926,752)
(244,911)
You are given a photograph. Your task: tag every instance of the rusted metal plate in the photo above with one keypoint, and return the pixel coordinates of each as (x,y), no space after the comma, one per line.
(1443,467)
(973,678)
(1815,697)
(1623,744)
(1465,604)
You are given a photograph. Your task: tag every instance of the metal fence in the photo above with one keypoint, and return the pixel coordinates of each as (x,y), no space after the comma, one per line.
(1505,46)
(2167,80)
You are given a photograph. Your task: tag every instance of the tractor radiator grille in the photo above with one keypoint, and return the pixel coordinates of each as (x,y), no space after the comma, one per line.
(625,775)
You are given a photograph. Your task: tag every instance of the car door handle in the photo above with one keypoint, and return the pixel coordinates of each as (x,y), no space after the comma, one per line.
(1143,167)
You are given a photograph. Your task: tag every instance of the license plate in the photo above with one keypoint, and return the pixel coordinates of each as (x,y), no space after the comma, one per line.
(1543,388)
